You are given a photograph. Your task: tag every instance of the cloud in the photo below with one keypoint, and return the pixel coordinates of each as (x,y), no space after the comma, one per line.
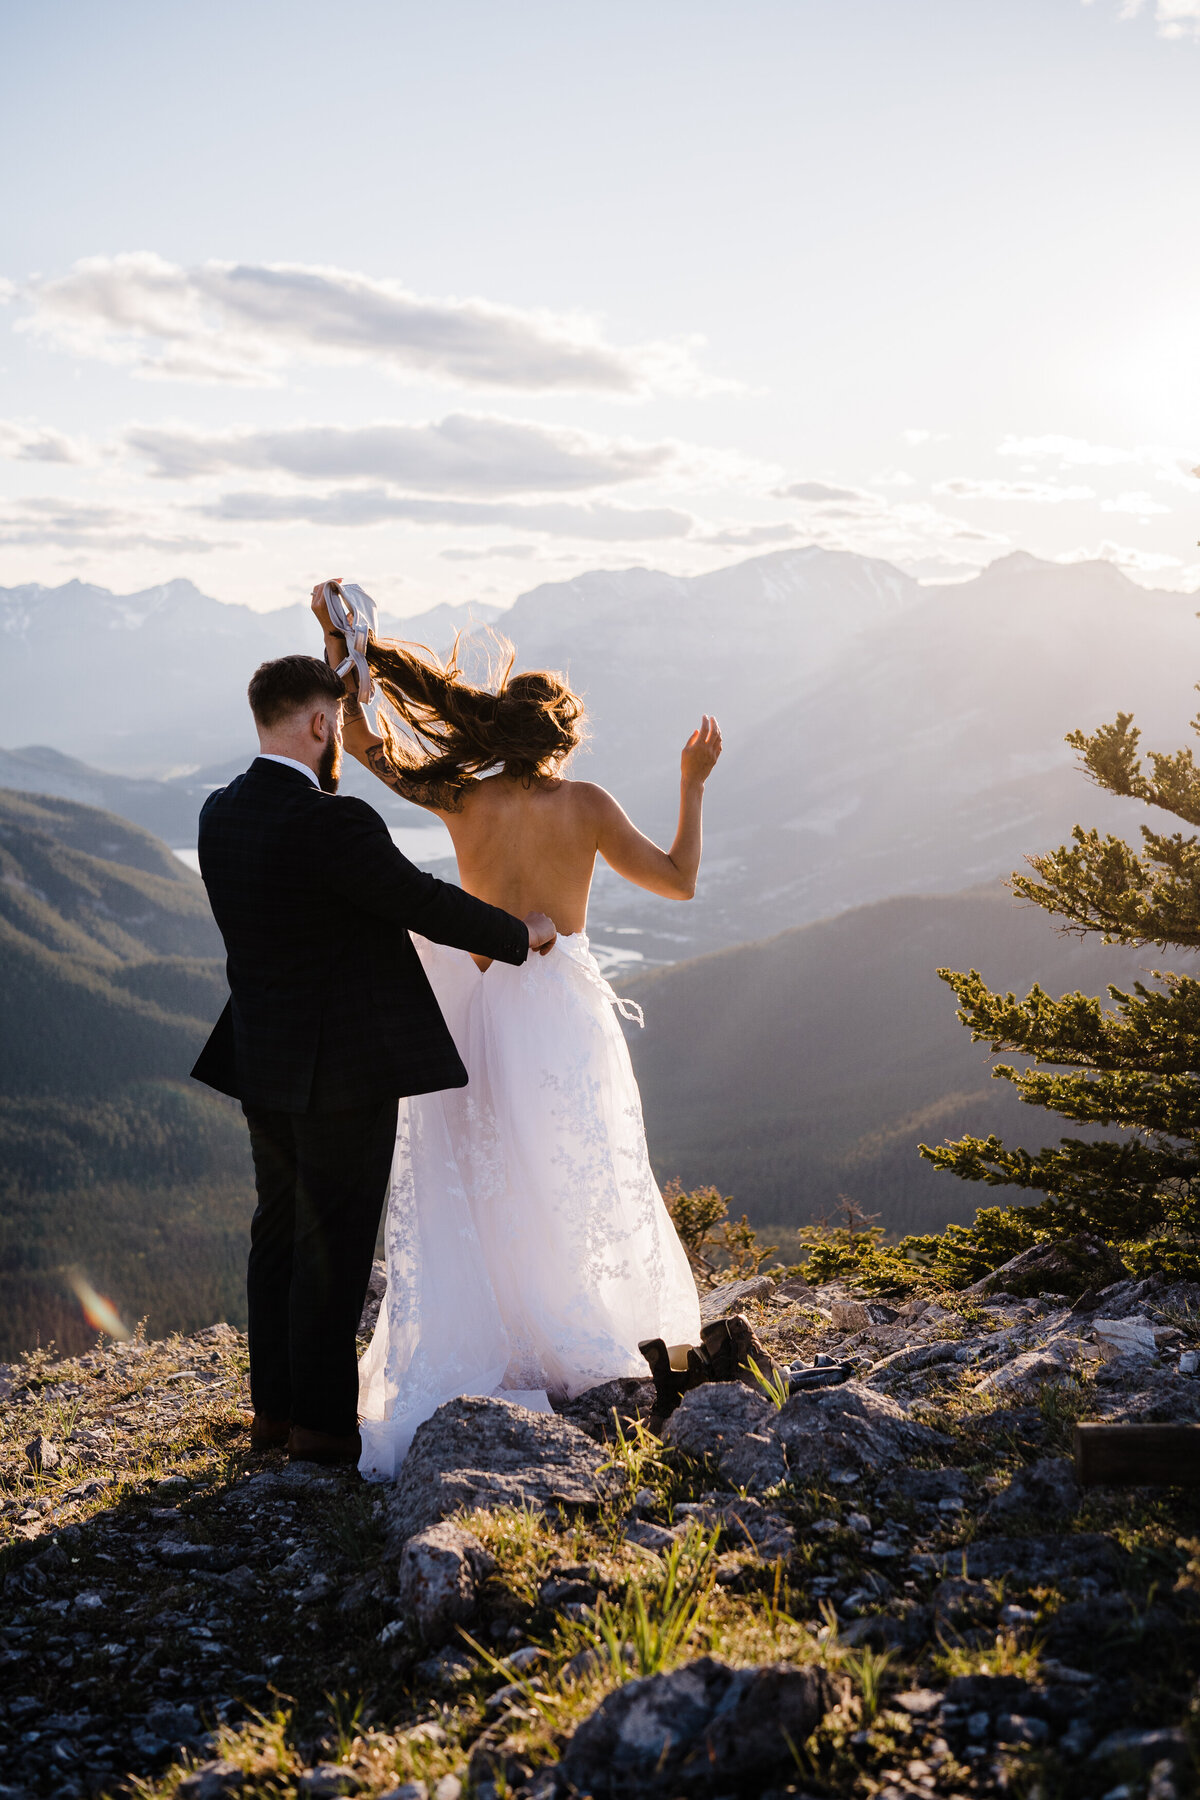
(1038,493)
(37,443)
(245,322)
(814,493)
(355,507)
(73,525)
(918,435)
(463,454)
(1141,503)
(1140,562)
(518,553)
(1174,18)
(747,537)
(1167,465)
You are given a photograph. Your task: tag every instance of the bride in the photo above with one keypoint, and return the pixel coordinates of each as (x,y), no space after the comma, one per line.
(528,1247)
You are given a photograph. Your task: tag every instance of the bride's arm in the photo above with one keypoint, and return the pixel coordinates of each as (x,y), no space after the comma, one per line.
(670,873)
(360,742)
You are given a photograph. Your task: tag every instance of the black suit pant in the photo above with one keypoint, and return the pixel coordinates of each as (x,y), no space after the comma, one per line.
(322,1180)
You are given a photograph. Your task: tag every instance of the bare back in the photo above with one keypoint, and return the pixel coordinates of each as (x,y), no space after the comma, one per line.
(529,848)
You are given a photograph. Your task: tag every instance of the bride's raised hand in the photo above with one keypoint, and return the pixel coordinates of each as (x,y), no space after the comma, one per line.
(700,753)
(320,608)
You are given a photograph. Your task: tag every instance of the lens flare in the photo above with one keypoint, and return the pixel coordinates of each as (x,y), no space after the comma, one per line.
(100,1313)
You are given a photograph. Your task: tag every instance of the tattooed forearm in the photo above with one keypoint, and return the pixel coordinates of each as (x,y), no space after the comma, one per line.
(410,784)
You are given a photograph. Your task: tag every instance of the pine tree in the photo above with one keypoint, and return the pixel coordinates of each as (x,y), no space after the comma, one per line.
(1134,1064)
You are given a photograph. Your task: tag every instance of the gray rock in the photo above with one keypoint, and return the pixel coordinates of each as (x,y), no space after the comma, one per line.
(408,1790)
(1028,1562)
(1130,1336)
(439,1576)
(735,1425)
(743,1521)
(850,1428)
(1045,1487)
(211,1781)
(794,1288)
(1067,1267)
(925,1487)
(376,1290)
(177,1724)
(1168,1743)
(629,1397)
(43,1454)
(860,1315)
(328,1780)
(1052,1362)
(703,1730)
(448,1668)
(649,1536)
(478,1454)
(1020,1728)
(912,1358)
(731,1296)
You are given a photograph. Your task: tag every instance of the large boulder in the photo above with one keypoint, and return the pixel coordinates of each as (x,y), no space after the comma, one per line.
(703,1730)
(735,1426)
(850,1428)
(1070,1266)
(480,1454)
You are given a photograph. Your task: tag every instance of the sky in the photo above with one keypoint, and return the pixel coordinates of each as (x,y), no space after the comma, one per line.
(454,297)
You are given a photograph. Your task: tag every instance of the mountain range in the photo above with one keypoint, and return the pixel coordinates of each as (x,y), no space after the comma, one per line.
(882,737)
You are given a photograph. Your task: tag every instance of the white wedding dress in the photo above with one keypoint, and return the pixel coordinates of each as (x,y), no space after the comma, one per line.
(528,1247)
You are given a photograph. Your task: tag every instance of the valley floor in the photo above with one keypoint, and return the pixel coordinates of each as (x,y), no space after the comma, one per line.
(901,1567)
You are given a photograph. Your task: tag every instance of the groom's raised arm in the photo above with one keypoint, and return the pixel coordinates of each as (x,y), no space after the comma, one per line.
(364,867)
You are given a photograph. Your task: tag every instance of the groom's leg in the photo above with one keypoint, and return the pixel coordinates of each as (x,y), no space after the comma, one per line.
(269,1275)
(344,1161)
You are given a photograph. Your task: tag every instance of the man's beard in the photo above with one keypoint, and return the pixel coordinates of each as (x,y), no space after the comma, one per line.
(329,768)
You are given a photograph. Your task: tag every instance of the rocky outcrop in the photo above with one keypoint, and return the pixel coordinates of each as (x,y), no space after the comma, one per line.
(1070,1266)
(701,1731)
(476,1453)
(851,1429)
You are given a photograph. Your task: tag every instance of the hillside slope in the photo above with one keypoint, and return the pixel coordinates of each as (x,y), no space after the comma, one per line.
(794,1071)
(111,1160)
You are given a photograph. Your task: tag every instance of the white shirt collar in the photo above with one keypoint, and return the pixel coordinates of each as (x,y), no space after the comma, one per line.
(289,762)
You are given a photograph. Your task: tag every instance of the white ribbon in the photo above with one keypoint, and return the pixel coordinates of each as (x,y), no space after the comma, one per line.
(356,616)
(628,1009)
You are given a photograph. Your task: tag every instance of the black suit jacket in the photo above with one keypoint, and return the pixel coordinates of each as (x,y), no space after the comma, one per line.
(329,1005)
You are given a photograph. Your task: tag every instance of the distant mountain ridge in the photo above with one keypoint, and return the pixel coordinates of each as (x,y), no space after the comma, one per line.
(178,658)
(881,737)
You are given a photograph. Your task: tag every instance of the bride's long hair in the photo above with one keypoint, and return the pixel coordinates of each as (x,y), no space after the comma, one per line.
(525,725)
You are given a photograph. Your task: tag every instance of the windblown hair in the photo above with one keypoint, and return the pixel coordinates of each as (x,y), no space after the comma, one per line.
(279,688)
(526,724)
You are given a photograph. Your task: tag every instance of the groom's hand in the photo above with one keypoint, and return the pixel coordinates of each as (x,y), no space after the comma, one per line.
(542,932)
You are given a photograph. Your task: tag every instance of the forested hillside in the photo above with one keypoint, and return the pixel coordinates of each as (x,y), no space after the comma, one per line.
(808,1067)
(111,1161)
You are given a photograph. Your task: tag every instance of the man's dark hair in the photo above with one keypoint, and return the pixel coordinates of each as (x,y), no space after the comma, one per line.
(283,686)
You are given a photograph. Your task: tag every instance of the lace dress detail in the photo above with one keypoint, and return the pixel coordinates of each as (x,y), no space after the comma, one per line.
(528,1247)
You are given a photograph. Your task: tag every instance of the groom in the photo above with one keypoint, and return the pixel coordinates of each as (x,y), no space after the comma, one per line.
(330,1020)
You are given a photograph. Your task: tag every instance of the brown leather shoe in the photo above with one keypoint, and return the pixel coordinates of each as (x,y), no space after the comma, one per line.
(306,1445)
(269,1434)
